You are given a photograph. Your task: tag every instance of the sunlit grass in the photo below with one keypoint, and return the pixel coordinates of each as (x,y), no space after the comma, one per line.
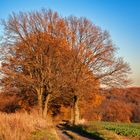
(22,126)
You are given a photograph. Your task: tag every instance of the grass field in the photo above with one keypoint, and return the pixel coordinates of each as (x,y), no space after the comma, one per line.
(123,129)
(110,130)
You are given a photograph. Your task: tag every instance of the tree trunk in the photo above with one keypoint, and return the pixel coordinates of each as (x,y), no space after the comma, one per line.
(40,103)
(72,114)
(45,111)
(76,111)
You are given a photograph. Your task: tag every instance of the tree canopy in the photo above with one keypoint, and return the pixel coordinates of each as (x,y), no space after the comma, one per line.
(54,57)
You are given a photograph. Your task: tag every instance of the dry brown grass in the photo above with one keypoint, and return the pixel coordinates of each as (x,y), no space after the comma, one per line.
(20,126)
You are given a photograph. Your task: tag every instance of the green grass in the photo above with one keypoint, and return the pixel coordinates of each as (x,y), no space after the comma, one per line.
(97,132)
(49,134)
(109,130)
(37,135)
(124,129)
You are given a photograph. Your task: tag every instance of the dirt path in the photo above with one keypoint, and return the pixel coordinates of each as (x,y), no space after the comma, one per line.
(77,136)
(64,135)
(61,135)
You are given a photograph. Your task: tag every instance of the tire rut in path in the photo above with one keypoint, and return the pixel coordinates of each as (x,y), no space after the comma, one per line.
(64,136)
(61,135)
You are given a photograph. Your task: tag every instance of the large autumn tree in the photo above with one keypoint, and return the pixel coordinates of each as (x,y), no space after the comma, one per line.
(47,54)
(34,44)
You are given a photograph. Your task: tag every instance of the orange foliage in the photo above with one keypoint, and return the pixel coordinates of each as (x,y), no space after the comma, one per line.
(49,60)
(120,105)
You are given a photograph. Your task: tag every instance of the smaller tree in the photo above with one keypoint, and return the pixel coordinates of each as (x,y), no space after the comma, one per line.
(92,61)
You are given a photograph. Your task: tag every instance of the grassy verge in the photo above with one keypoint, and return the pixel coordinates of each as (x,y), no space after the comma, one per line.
(48,133)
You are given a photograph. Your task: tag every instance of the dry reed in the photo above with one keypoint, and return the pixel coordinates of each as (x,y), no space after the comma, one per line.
(19,126)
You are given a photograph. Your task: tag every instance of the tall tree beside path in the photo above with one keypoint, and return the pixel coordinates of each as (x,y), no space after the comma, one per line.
(45,53)
(34,46)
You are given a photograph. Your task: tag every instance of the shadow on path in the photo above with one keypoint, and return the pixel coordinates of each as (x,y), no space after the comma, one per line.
(83,134)
(62,135)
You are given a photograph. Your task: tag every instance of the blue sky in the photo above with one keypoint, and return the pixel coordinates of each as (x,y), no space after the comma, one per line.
(120,17)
